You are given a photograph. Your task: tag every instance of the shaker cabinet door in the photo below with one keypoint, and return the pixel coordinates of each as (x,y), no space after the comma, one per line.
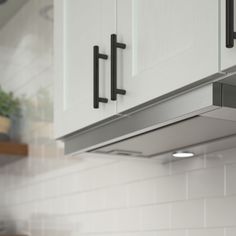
(169,44)
(79,25)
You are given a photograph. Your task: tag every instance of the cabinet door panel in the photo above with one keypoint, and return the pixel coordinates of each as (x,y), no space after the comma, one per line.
(79,25)
(228,55)
(170,44)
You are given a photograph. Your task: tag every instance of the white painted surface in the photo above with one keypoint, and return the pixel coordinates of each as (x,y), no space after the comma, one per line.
(80,25)
(159,35)
(51,194)
(170,44)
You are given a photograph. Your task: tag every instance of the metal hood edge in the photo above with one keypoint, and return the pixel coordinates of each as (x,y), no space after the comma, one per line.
(191,117)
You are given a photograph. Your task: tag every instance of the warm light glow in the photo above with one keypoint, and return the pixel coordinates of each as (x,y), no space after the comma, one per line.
(183,154)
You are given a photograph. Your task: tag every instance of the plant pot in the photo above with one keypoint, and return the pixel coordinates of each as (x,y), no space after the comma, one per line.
(5,125)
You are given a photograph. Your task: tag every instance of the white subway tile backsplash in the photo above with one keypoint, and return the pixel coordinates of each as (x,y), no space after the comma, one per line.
(84,223)
(230,232)
(172,233)
(143,192)
(84,181)
(68,184)
(101,222)
(231,179)
(221,212)
(116,197)
(59,206)
(96,200)
(127,219)
(188,164)
(187,214)
(36,191)
(130,170)
(46,206)
(206,232)
(156,217)
(171,188)
(98,176)
(77,203)
(220,158)
(155,233)
(162,189)
(51,188)
(206,182)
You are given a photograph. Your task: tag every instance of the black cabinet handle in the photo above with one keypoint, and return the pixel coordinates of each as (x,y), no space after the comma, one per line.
(230,34)
(114,46)
(96,57)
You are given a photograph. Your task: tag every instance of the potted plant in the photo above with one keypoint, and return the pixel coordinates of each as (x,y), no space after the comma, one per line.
(9,106)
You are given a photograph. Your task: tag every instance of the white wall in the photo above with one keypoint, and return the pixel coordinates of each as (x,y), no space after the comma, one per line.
(50,194)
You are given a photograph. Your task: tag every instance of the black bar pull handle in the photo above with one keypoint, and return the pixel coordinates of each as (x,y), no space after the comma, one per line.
(96,57)
(114,46)
(230,34)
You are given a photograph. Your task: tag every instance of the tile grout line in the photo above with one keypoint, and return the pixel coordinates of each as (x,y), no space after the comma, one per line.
(187,186)
(225,180)
(204,214)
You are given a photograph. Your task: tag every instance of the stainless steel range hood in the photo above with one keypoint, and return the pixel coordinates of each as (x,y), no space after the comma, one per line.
(201,118)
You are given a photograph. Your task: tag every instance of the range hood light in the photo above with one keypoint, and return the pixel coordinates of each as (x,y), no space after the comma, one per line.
(183,154)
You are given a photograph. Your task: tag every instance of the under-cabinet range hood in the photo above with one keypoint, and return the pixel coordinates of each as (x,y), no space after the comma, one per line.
(199,118)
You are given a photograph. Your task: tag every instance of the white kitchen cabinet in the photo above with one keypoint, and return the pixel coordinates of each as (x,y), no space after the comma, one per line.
(228,50)
(79,25)
(169,44)
(158,46)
